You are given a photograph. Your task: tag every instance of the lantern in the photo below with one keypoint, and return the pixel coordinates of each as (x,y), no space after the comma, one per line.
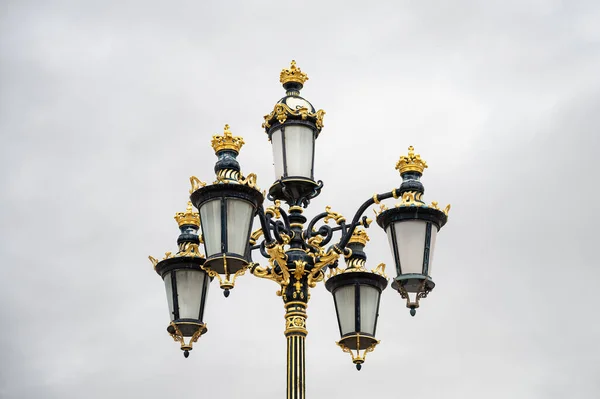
(356,293)
(186,283)
(293,127)
(412,228)
(227,209)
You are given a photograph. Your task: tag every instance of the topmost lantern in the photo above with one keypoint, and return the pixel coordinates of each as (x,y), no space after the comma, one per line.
(293,127)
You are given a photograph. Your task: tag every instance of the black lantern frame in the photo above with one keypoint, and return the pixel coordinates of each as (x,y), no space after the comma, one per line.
(181,327)
(226,261)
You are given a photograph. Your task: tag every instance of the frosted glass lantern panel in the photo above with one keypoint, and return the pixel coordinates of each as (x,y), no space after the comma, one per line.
(189,292)
(277,144)
(410,243)
(299,145)
(169,289)
(369,296)
(210,219)
(434,231)
(239,217)
(344,301)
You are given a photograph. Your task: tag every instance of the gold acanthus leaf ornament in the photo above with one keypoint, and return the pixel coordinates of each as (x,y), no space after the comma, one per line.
(411,162)
(333,216)
(196,184)
(281,112)
(249,181)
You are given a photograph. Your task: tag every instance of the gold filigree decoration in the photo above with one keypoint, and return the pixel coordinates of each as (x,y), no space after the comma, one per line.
(256,234)
(196,183)
(447,209)
(249,181)
(411,198)
(333,216)
(357,356)
(316,275)
(434,205)
(281,112)
(188,217)
(292,74)
(382,208)
(153,260)
(274,210)
(178,336)
(315,243)
(189,249)
(380,269)
(411,163)
(227,141)
(227,176)
(228,282)
(295,323)
(277,257)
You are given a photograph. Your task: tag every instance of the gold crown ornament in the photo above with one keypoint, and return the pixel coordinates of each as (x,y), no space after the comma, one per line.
(293,74)
(411,163)
(188,217)
(227,141)
(359,236)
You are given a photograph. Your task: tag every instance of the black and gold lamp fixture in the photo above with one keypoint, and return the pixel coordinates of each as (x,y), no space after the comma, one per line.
(186,282)
(299,253)
(412,228)
(356,293)
(227,209)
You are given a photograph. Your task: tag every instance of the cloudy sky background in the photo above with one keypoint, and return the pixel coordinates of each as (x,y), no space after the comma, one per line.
(107,107)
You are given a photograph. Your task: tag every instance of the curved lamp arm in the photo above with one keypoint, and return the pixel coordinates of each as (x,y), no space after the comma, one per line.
(355,222)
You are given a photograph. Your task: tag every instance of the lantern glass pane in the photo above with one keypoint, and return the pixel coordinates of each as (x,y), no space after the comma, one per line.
(299,145)
(369,296)
(277,144)
(344,301)
(169,289)
(210,218)
(410,242)
(239,217)
(434,231)
(189,292)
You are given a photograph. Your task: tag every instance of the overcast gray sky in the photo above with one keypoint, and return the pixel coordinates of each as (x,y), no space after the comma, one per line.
(107,107)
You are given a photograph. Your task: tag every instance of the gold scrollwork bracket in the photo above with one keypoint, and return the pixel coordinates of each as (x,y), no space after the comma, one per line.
(316,275)
(358,358)
(274,210)
(178,336)
(228,282)
(337,217)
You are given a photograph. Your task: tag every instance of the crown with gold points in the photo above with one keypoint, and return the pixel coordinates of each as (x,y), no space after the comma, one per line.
(188,217)
(293,74)
(411,163)
(227,141)
(359,236)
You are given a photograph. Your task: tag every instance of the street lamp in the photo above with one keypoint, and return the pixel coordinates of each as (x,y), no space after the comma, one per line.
(299,254)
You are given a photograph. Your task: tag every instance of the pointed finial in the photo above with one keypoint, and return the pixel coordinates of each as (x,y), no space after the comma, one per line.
(293,74)
(188,217)
(227,141)
(411,163)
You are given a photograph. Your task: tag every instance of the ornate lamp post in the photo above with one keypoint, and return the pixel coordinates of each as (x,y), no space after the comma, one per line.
(299,254)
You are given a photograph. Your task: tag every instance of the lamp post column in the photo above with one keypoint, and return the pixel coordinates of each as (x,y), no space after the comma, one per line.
(295,297)
(295,332)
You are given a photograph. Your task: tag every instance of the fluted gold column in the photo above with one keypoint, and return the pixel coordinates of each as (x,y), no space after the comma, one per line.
(295,331)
